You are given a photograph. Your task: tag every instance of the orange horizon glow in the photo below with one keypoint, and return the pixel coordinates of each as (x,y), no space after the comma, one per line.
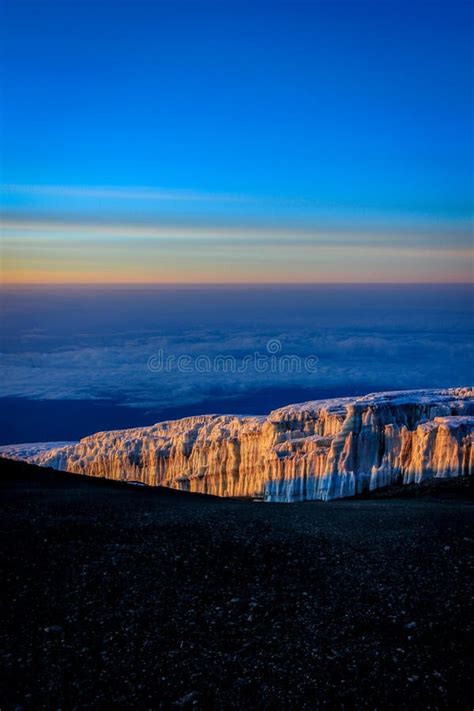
(98,279)
(44,253)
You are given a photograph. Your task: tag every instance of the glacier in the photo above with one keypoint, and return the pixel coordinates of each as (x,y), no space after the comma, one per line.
(317,450)
(29,450)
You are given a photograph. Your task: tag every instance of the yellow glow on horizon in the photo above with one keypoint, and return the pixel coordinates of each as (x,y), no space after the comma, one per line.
(35,252)
(47,277)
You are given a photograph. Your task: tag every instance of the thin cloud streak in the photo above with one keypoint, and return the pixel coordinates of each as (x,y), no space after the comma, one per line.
(152,194)
(167,242)
(238,233)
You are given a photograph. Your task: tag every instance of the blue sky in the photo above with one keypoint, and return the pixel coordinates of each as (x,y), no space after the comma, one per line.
(346,122)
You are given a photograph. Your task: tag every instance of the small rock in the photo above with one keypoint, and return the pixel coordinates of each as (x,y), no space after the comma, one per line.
(187,699)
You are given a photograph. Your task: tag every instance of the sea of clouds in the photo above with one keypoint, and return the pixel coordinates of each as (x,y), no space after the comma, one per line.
(105,344)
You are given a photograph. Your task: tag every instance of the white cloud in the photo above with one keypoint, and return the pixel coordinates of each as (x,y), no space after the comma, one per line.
(152,194)
(94,370)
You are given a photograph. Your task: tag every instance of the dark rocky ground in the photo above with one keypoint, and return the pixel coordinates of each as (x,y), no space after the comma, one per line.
(116,596)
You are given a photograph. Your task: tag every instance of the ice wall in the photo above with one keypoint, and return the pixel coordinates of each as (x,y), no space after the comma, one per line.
(315,450)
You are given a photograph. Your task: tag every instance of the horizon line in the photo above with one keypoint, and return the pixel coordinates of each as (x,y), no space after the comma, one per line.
(233,284)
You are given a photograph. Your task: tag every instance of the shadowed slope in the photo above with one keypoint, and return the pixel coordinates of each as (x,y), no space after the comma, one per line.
(139,597)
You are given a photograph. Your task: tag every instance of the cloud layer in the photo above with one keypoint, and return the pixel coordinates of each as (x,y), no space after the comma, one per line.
(70,345)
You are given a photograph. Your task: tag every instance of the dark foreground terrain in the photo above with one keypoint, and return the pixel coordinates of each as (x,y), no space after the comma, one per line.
(117,596)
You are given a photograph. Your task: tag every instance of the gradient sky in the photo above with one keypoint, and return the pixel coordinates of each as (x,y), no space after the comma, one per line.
(236,141)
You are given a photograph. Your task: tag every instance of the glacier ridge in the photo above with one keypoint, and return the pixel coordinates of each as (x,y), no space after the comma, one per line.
(322,449)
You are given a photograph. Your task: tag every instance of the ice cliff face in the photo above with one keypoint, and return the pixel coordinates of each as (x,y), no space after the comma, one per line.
(315,450)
